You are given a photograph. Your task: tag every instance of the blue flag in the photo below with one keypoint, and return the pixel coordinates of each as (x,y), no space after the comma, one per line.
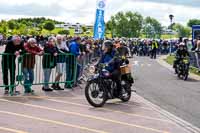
(99,27)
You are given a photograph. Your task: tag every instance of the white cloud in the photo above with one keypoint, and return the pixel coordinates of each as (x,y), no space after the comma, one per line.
(83,11)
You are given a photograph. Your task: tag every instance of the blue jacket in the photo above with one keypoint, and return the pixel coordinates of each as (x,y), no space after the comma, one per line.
(106,58)
(74,48)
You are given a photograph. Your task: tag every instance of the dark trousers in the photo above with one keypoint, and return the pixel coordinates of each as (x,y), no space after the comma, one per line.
(70,68)
(116,77)
(8,65)
(73,69)
(153,53)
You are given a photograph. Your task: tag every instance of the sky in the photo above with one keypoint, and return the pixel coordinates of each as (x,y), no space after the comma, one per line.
(83,11)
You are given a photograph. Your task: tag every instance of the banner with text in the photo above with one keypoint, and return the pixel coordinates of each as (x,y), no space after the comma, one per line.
(99,26)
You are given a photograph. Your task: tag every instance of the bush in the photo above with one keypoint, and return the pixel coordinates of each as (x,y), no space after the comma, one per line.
(64,32)
(49,26)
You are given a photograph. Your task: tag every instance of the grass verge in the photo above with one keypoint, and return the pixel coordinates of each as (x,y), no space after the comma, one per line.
(170,60)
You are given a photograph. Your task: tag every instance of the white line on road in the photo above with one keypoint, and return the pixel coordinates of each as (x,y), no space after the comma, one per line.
(50,121)
(88,116)
(186,125)
(11,130)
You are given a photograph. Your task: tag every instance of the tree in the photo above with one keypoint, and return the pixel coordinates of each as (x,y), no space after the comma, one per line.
(49,26)
(127,24)
(11,24)
(110,26)
(152,27)
(193,22)
(84,29)
(33,32)
(3,27)
(22,29)
(64,32)
(182,31)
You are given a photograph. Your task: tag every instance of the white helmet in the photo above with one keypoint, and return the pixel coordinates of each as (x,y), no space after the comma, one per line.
(181,44)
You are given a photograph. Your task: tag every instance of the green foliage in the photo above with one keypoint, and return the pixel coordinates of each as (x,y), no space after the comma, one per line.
(130,24)
(3,27)
(127,24)
(84,29)
(63,32)
(49,26)
(25,26)
(152,28)
(182,31)
(193,22)
(34,32)
(11,24)
(170,60)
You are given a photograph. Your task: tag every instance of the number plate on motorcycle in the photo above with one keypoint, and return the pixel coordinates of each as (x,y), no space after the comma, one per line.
(185,61)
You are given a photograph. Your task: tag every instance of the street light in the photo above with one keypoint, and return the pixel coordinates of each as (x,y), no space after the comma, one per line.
(171,21)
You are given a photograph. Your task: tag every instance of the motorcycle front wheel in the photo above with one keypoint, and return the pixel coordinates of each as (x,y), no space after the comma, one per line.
(94,94)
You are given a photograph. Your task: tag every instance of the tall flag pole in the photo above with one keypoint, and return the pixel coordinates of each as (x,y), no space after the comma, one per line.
(99,26)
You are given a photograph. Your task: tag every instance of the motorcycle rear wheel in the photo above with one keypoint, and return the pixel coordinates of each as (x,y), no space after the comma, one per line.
(126,93)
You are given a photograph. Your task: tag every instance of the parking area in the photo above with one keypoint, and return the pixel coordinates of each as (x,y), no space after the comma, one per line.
(68,112)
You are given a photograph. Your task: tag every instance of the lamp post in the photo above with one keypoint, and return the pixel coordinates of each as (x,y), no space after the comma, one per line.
(171,21)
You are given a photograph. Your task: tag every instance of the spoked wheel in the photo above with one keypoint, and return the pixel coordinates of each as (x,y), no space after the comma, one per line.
(126,93)
(179,75)
(94,94)
(185,77)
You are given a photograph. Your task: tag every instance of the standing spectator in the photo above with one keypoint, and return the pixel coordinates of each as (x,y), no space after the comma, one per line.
(197,54)
(49,61)
(154,49)
(75,50)
(31,49)
(13,49)
(1,39)
(60,61)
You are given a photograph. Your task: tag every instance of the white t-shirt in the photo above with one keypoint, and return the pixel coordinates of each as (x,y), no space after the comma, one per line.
(62,46)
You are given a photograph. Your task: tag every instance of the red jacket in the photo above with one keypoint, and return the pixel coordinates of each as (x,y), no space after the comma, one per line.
(29,57)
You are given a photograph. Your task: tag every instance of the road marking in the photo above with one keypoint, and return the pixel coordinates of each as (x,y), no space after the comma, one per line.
(149,65)
(178,121)
(51,121)
(87,116)
(112,110)
(71,98)
(107,109)
(39,97)
(11,130)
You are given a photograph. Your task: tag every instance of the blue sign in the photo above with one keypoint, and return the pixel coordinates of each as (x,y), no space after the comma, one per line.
(101,4)
(195,32)
(99,27)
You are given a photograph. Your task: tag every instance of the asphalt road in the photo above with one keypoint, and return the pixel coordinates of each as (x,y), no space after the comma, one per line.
(160,86)
(68,111)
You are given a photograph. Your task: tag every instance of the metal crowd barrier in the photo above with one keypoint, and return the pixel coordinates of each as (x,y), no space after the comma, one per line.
(195,59)
(10,71)
(62,63)
(17,67)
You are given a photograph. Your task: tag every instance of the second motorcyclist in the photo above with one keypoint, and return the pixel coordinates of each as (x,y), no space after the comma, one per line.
(180,54)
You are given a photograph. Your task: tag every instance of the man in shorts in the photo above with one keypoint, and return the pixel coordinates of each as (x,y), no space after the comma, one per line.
(60,61)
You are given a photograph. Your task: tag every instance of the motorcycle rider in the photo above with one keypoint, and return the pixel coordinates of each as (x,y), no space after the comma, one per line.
(110,58)
(123,50)
(180,54)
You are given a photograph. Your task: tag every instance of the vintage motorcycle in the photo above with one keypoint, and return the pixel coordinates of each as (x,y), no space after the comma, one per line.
(100,87)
